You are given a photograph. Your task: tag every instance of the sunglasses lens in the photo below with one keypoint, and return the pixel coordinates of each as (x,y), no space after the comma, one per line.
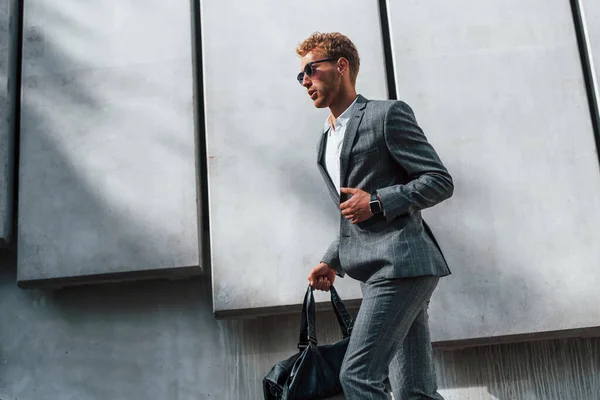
(308,69)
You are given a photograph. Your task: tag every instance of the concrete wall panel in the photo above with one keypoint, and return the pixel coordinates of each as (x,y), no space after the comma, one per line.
(107,167)
(271,216)
(6,131)
(499,90)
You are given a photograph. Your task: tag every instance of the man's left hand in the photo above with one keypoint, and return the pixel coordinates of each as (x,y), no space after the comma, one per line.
(356,209)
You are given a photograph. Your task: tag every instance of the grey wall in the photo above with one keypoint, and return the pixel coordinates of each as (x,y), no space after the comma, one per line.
(159,340)
(6,131)
(499,90)
(107,152)
(271,217)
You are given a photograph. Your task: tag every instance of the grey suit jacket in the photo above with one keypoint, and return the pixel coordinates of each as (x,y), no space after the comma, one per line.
(385,150)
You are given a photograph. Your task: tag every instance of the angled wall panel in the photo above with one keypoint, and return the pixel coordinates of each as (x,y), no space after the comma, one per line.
(271,216)
(499,90)
(6,131)
(107,162)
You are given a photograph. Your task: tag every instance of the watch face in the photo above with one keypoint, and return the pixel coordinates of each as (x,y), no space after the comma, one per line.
(375,207)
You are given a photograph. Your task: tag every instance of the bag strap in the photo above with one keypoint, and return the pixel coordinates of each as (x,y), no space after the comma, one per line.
(308,333)
(343,316)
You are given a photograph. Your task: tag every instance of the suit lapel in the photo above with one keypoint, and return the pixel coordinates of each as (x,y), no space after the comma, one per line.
(349,137)
(321,152)
(332,190)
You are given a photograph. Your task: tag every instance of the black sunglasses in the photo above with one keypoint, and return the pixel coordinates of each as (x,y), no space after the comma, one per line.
(309,70)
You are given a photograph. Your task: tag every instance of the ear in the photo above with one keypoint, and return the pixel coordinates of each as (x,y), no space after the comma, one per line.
(343,65)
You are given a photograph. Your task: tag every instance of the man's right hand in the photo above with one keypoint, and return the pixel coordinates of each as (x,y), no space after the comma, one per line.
(321,277)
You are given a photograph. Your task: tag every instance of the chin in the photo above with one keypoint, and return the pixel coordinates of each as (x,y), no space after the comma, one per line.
(320,103)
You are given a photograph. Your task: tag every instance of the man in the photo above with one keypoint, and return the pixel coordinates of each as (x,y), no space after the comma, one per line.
(381,172)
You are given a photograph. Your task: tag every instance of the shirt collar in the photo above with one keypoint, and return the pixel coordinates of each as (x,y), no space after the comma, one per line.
(340,121)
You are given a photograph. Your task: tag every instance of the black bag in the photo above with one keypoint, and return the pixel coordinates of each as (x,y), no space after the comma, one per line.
(312,373)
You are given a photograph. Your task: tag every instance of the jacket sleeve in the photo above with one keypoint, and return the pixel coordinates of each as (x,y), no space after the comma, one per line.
(332,257)
(429,183)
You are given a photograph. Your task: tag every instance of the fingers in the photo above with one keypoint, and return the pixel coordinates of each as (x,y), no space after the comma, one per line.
(356,209)
(321,277)
(348,212)
(348,191)
(320,283)
(348,206)
(353,218)
(351,215)
(323,284)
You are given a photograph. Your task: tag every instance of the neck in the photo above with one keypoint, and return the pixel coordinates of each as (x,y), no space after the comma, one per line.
(342,102)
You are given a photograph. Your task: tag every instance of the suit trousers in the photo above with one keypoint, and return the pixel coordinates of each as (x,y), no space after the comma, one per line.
(390,342)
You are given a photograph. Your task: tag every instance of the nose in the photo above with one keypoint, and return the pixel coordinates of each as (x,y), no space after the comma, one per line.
(306,82)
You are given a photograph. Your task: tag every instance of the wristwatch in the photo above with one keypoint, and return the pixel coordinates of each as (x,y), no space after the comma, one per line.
(374,204)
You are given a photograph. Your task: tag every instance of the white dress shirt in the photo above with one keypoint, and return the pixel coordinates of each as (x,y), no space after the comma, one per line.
(335,139)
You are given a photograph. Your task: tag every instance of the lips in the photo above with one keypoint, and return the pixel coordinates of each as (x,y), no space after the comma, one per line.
(312,94)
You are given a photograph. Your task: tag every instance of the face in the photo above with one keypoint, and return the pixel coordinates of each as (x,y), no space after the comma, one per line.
(324,84)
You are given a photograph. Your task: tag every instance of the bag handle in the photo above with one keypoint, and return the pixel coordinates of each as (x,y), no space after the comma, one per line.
(343,316)
(308,332)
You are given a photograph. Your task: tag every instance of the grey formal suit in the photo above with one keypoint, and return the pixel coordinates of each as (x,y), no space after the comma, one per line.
(395,256)
(384,150)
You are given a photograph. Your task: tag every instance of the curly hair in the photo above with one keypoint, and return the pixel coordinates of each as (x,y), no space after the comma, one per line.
(334,45)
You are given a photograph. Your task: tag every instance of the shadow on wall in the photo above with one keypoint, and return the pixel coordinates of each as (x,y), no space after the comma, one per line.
(78,167)
(152,339)
(135,340)
(159,339)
